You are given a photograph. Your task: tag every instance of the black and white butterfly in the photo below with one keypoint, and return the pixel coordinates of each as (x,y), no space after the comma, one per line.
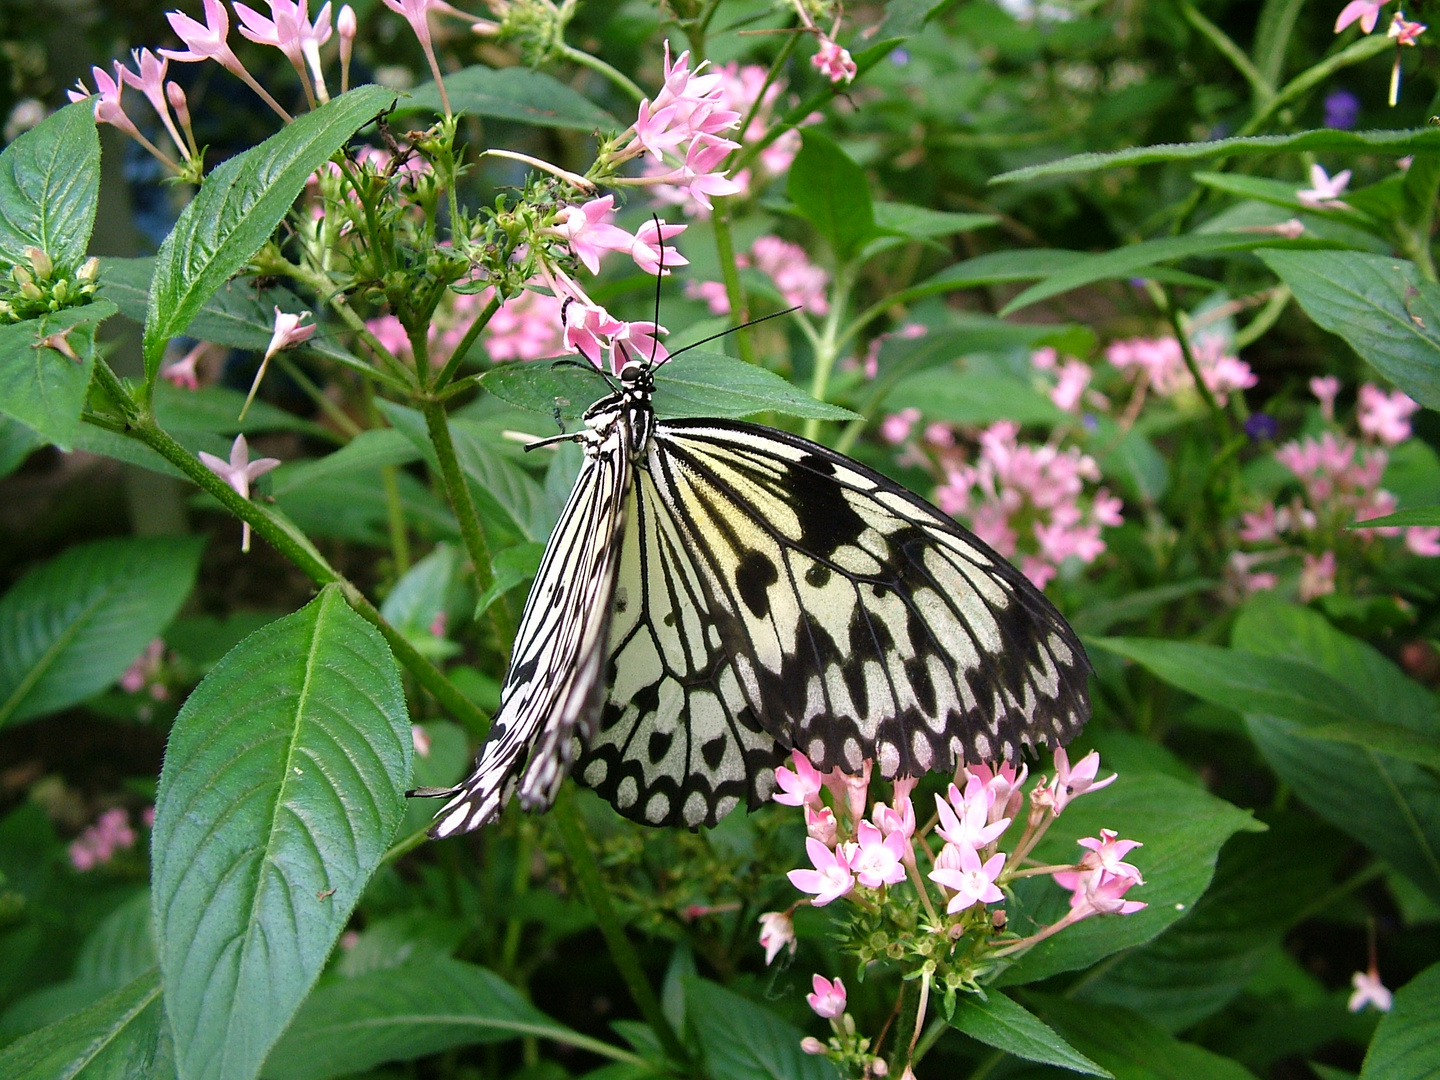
(717,593)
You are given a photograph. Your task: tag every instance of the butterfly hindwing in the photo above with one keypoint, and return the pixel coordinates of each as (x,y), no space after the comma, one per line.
(678,742)
(553,687)
(862,622)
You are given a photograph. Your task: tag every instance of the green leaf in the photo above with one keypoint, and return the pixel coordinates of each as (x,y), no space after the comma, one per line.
(280,791)
(1406,1045)
(238,207)
(999,1022)
(1415,515)
(215,409)
(1380,305)
(240,315)
(743,1041)
(511,567)
(922,223)
(694,384)
(43,388)
(964,397)
(17,441)
(1128,261)
(1279,193)
(703,383)
(831,192)
(1388,804)
(350,1025)
(1100,617)
(366,452)
(1182,827)
(513,93)
(1290,690)
(120,1037)
(1130,1046)
(420,594)
(71,627)
(1397,143)
(1026,264)
(49,188)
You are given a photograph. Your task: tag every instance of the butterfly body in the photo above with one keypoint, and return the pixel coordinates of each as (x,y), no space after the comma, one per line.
(717,593)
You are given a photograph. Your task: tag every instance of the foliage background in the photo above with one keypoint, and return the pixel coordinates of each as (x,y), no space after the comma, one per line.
(479,958)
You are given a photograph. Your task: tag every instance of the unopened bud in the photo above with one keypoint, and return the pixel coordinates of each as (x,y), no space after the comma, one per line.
(998,919)
(42,263)
(60,290)
(90,270)
(30,291)
(879,1068)
(956,932)
(175,94)
(345,23)
(812,1045)
(21,275)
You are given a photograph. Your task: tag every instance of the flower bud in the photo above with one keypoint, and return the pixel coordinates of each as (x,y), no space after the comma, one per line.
(90,270)
(30,291)
(812,1045)
(345,24)
(21,276)
(820,825)
(998,919)
(42,263)
(878,1067)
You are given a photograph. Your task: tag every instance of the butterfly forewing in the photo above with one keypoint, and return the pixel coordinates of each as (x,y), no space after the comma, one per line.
(863,623)
(553,687)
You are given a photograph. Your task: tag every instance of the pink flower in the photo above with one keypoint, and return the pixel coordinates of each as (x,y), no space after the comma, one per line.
(1324,191)
(828,1000)
(238,472)
(799,281)
(588,231)
(833,62)
(1423,539)
(1107,852)
(182,372)
(1072,783)
(801,787)
(964,820)
(939,433)
(899,819)
(290,31)
(1099,893)
(821,824)
(973,883)
(878,861)
(151,82)
(204,41)
(288,332)
(147,816)
(1325,388)
(1044,358)
(527,327)
(1367,11)
(777,930)
(699,176)
(852,791)
(1403,31)
(642,340)
(650,246)
(97,845)
(1074,378)
(587,328)
(1369,990)
(1317,576)
(712,293)
(1385,417)
(895,428)
(1005,785)
(420,738)
(108,109)
(831,878)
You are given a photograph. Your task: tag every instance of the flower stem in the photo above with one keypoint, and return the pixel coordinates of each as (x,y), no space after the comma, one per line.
(462,350)
(587,873)
(730,272)
(828,349)
(594,63)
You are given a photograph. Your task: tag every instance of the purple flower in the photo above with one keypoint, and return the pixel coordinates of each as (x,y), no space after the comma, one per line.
(1342,109)
(1261,427)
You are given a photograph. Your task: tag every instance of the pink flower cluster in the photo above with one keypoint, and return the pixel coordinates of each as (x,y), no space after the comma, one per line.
(1339,482)
(98,844)
(146,672)
(852,856)
(1072,378)
(1159,365)
(526,327)
(149,78)
(800,282)
(1017,490)
(680,131)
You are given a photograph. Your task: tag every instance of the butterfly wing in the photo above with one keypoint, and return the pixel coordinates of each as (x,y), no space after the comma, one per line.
(861,622)
(677,742)
(553,688)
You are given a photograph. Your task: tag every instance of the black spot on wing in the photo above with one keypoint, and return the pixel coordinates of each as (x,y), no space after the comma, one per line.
(754,575)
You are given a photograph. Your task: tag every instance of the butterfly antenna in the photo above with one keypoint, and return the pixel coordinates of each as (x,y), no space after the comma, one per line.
(731,330)
(659,277)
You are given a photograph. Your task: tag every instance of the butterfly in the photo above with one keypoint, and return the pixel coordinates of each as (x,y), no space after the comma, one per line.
(717,594)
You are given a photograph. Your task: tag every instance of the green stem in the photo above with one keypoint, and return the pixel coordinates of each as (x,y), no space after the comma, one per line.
(1256,327)
(785,50)
(1173,314)
(463,349)
(933,1031)
(293,544)
(730,273)
(827,351)
(587,873)
(594,63)
(905,1018)
(1261,88)
(395,515)
(1308,79)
